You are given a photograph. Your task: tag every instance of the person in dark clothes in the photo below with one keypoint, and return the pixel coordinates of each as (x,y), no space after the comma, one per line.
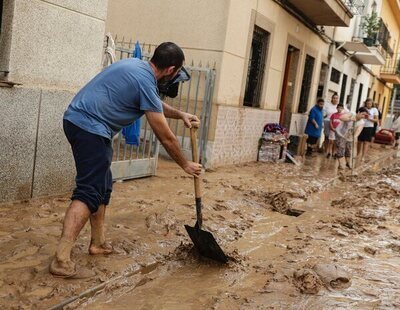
(314,126)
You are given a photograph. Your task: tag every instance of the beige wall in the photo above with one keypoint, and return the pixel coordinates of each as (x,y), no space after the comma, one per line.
(221,32)
(284,29)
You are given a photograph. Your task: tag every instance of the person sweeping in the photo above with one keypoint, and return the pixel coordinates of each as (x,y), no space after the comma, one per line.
(113,99)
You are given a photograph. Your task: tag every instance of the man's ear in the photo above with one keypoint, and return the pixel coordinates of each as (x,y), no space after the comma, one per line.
(170,70)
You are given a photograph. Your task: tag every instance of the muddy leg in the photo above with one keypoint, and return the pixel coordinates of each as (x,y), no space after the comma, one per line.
(342,163)
(360,148)
(75,218)
(365,149)
(98,243)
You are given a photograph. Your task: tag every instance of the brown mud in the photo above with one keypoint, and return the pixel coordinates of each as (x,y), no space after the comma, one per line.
(293,242)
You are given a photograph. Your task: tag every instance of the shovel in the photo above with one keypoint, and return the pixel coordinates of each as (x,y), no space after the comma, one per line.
(203,241)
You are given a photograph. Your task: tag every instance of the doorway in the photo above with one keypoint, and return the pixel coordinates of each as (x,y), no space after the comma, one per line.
(343,89)
(322,80)
(288,86)
(360,90)
(306,84)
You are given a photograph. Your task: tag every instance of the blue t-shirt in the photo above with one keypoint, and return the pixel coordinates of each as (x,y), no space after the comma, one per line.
(115,98)
(315,114)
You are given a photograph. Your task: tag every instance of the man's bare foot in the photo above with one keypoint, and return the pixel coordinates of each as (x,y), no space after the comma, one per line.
(69,270)
(62,269)
(104,249)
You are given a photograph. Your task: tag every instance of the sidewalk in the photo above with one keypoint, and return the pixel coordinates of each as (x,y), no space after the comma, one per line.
(145,224)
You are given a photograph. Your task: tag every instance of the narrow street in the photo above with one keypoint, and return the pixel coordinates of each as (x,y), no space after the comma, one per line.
(351,222)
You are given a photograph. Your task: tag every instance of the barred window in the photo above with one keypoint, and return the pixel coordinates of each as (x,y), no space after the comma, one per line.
(306,84)
(335,76)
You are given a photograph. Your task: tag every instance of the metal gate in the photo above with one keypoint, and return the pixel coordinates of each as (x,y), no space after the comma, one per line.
(194,96)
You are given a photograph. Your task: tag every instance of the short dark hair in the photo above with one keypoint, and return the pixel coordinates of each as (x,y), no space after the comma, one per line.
(320,100)
(168,54)
(362,109)
(368,100)
(334,94)
(340,105)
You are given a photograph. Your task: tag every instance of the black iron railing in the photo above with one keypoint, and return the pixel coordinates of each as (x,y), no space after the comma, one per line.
(355,6)
(392,65)
(381,37)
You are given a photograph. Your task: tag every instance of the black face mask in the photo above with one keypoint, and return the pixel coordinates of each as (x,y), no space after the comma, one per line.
(170,88)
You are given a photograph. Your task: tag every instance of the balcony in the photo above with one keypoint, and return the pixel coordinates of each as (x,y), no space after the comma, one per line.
(390,72)
(380,38)
(325,12)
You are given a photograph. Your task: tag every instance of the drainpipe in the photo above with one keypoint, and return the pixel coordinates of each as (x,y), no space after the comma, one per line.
(331,53)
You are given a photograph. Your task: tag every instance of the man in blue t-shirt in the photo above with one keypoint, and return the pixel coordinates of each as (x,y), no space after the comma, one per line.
(314,126)
(113,99)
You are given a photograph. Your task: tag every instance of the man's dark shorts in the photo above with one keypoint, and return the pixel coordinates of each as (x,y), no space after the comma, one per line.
(93,156)
(312,140)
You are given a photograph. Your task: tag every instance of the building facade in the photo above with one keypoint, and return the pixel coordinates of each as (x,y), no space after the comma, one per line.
(272,59)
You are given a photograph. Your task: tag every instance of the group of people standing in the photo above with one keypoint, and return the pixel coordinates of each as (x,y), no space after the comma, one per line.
(342,129)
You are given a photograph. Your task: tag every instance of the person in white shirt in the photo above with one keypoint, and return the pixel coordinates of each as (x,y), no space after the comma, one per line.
(364,139)
(329,109)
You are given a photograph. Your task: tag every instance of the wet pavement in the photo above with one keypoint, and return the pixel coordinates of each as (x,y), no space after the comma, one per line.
(350,222)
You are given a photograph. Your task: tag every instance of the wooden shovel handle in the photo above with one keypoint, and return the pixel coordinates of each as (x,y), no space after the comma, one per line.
(195,156)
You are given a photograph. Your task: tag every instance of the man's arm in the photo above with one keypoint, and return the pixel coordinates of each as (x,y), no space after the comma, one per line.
(161,129)
(171,112)
(312,119)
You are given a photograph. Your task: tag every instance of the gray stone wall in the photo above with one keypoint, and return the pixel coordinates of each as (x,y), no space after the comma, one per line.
(52,47)
(55,43)
(35,159)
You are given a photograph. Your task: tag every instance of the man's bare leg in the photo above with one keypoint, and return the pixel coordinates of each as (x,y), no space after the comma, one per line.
(75,218)
(98,243)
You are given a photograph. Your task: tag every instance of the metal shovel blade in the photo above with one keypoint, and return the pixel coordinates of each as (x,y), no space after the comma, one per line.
(206,244)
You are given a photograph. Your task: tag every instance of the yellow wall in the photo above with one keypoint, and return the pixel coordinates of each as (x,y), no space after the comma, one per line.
(390,14)
(384,91)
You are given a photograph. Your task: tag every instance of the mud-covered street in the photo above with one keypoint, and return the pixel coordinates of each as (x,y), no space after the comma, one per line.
(342,251)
